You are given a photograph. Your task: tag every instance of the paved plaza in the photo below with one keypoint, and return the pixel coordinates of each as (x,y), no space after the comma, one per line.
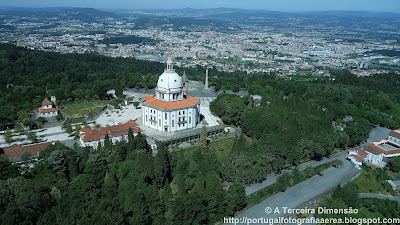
(53,130)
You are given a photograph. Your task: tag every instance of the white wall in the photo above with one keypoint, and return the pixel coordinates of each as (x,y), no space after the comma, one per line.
(190,115)
(95,144)
(393,139)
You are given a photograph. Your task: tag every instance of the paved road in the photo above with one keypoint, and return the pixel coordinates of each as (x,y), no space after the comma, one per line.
(376,134)
(271,178)
(301,193)
(370,195)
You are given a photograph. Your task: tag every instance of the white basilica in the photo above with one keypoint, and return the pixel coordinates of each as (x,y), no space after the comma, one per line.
(171,109)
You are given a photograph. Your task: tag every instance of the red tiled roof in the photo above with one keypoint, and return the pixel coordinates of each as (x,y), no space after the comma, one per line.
(152,101)
(42,110)
(373,166)
(357,157)
(16,150)
(46,102)
(85,129)
(394,134)
(362,153)
(378,150)
(88,135)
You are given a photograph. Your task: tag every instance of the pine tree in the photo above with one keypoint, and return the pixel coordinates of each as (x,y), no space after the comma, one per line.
(130,136)
(68,129)
(235,198)
(77,128)
(8,136)
(215,198)
(107,142)
(7,169)
(203,138)
(162,168)
(141,142)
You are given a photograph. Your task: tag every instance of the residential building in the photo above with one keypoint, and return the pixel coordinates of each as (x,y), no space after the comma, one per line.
(15,151)
(94,137)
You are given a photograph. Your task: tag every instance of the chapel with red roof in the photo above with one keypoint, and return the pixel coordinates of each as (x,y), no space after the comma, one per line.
(171,109)
(47,110)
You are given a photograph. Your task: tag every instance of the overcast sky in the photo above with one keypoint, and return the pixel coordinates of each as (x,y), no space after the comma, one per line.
(277,5)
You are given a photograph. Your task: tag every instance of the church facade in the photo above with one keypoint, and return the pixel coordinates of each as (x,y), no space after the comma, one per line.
(171,109)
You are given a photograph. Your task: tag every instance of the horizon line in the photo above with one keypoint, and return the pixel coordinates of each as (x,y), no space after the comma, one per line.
(211,8)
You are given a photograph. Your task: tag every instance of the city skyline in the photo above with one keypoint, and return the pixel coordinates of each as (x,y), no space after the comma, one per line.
(285,6)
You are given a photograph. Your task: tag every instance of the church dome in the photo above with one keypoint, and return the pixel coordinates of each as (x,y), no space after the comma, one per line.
(169,81)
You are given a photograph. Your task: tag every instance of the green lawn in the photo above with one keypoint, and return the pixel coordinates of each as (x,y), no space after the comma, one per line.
(373,182)
(83,108)
(221,148)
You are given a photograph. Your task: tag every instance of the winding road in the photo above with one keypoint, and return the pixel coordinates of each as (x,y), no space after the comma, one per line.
(312,188)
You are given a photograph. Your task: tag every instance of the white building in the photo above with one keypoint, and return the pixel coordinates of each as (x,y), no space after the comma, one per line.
(171,109)
(378,150)
(357,156)
(47,109)
(394,136)
(92,137)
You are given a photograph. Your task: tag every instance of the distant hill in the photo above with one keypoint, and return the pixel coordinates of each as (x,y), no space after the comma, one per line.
(220,11)
(84,14)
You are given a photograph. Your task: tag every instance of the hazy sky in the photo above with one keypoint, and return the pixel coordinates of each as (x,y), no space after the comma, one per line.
(278,5)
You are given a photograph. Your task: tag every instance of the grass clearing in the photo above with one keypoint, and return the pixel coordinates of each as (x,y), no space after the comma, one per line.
(373,181)
(221,149)
(84,108)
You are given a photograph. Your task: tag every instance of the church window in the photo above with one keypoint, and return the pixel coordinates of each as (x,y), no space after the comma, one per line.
(190,119)
(179,112)
(146,118)
(159,122)
(165,115)
(183,112)
(172,123)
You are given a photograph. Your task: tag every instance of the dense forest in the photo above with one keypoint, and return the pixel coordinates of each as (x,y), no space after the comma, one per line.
(125,184)
(117,184)
(27,77)
(294,122)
